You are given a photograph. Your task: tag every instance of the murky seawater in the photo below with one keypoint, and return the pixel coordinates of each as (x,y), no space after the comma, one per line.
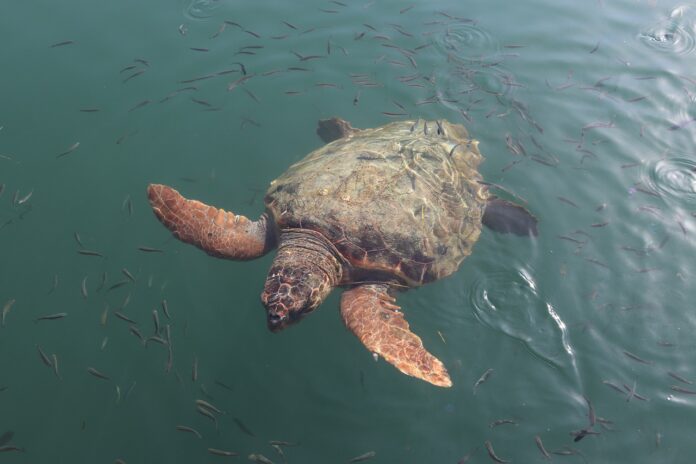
(584,111)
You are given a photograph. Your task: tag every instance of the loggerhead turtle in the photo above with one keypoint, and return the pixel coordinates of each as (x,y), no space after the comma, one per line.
(375,210)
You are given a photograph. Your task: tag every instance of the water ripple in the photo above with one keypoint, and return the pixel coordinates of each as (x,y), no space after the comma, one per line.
(509,302)
(466,41)
(675,177)
(201,9)
(677,34)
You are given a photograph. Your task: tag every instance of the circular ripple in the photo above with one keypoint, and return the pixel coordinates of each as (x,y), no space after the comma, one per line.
(509,302)
(677,34)
(466,41)
(201,9)
(675,177)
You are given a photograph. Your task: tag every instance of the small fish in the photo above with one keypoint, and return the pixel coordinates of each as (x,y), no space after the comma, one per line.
(281,443)
(155,319)
(598,125)
(104,316)
(156,339)
(260,458)
(636,358)
(123,317)
(196,49)
(55,365)
(78,239)
(97,374)
(364,457)
(194,369)
(252,33)
(205,412)
(491,453)
(613,385)
(483,378)
(55,284)
(681,124)
(208,406)
(679,378)
(540,445)
(591,412)
(567,201)
(51,317)
(118,284)
(243,427)
(219,452)
(6,310)
(580,434)
(135,74)
(44,357)
(184,428)
(90,253)
(182,29)
(128,274)
(84,288)
(62,44)
(140,105)
(501,422)
(150,249)
(70,149)
(686,391)
(224,385)
(136,332)
(165,309)
(24,199)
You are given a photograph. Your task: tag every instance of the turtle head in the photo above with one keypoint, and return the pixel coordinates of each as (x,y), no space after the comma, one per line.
(301,276)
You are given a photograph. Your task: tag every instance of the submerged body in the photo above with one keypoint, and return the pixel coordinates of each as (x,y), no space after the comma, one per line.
(375,210)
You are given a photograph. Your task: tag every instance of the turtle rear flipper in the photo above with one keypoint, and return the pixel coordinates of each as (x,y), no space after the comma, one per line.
(215,231)
(505,217)
(370,313)
(333,129)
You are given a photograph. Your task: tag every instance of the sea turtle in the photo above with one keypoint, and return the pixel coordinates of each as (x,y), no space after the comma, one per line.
(375,210)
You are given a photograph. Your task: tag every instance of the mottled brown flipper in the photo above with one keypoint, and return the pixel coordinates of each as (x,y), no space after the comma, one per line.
(215,231)
(370,313)
(333,129)
(505,217)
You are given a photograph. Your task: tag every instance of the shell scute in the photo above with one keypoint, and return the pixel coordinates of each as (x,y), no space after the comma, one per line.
(396,202)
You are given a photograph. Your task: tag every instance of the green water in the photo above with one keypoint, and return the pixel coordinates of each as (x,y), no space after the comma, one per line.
(553,317)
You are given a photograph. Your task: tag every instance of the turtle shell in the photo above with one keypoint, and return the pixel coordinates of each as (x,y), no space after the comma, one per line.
(399,202)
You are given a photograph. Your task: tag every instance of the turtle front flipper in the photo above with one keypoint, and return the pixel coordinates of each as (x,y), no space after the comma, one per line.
(215,231)
(370,313)
(333,129)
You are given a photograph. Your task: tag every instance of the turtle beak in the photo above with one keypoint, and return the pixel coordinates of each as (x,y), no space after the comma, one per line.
(276,321)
